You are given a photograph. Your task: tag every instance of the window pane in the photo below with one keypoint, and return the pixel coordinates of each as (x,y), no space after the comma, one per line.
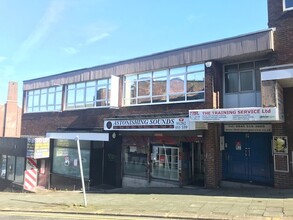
(194,68)
(157,99)
(177,84)
(135,161)
(80,85)
(102,92)
(80,95)
(159,86)
(246,81)
(71,97)
(51,98)
(195,82)
(143,100)
(130,89)
(3,166)
(65,158)
(246,66)
(231,68)
(71,86)
(10,167)
(91,84)
(144,88)
(166,163)
(177,70)
(231,82)
(90,94)
(30,101)
(19,169)
(37,100)
(145,76)
(160,73)
(58,99)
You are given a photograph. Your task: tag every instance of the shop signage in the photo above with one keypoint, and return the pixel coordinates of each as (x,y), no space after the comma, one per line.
(38,148)
(256,114)
(153,124)
(248,128)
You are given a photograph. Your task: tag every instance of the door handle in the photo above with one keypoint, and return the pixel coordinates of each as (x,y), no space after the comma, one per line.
(248,151)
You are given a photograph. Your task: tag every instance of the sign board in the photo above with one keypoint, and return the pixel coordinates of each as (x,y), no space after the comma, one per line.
(153,124)
(248,128)
(255,114)
(38,148)
(280,144)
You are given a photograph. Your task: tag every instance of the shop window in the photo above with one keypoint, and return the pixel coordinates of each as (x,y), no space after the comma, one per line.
(288,5)
(180,84)
(65,158)
(165,162)
(19,169)
(3,163)
(11,168)
(135,161)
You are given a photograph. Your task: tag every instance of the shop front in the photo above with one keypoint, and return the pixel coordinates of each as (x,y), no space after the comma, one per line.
(160,151)
(247,154)
(100,160)
(245,142)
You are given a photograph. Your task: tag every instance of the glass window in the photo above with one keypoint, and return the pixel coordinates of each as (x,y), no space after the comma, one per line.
(170,85)
(65,158)
(243,77)
(20,162)
(231,82)
(165,164)
(135,161)
(89,94)
(47,99)
(246,81)
(11,168)
(3,161)
(178,70)
(288,4)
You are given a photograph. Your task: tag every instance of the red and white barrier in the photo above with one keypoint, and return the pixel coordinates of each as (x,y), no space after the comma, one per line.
(30,179)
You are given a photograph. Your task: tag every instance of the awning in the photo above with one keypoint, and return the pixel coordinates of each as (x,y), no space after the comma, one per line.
(79,135)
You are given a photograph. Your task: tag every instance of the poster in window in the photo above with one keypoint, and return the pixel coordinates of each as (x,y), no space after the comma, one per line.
(280,144)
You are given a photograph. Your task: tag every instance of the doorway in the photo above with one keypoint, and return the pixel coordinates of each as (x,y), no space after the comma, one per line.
(193,163)
(248,157)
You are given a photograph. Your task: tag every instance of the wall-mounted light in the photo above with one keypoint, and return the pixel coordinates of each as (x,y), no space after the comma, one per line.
(208,64)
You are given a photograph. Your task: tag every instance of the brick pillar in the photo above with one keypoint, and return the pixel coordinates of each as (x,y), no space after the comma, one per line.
(212,156)
(12,117)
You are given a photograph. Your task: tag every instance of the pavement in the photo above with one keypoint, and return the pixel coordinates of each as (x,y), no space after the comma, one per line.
(164,203)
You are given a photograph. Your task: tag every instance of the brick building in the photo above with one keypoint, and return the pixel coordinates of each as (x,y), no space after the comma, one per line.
(198,115)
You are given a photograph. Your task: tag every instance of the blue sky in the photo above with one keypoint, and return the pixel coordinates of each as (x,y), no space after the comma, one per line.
(45,37)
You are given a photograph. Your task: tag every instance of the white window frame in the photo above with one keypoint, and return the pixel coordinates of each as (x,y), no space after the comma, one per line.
(84,103)
(127,101)
(285,8)
(36,96)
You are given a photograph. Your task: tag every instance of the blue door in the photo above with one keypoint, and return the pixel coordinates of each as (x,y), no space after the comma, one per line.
(248,157)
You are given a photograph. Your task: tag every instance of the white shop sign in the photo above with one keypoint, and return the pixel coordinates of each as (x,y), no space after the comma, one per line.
(153,124)
(255,114)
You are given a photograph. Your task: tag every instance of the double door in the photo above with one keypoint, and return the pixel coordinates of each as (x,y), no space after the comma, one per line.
(248,157)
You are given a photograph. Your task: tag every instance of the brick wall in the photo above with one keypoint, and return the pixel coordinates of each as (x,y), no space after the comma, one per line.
(283,40)
(285,180)
(283,37)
